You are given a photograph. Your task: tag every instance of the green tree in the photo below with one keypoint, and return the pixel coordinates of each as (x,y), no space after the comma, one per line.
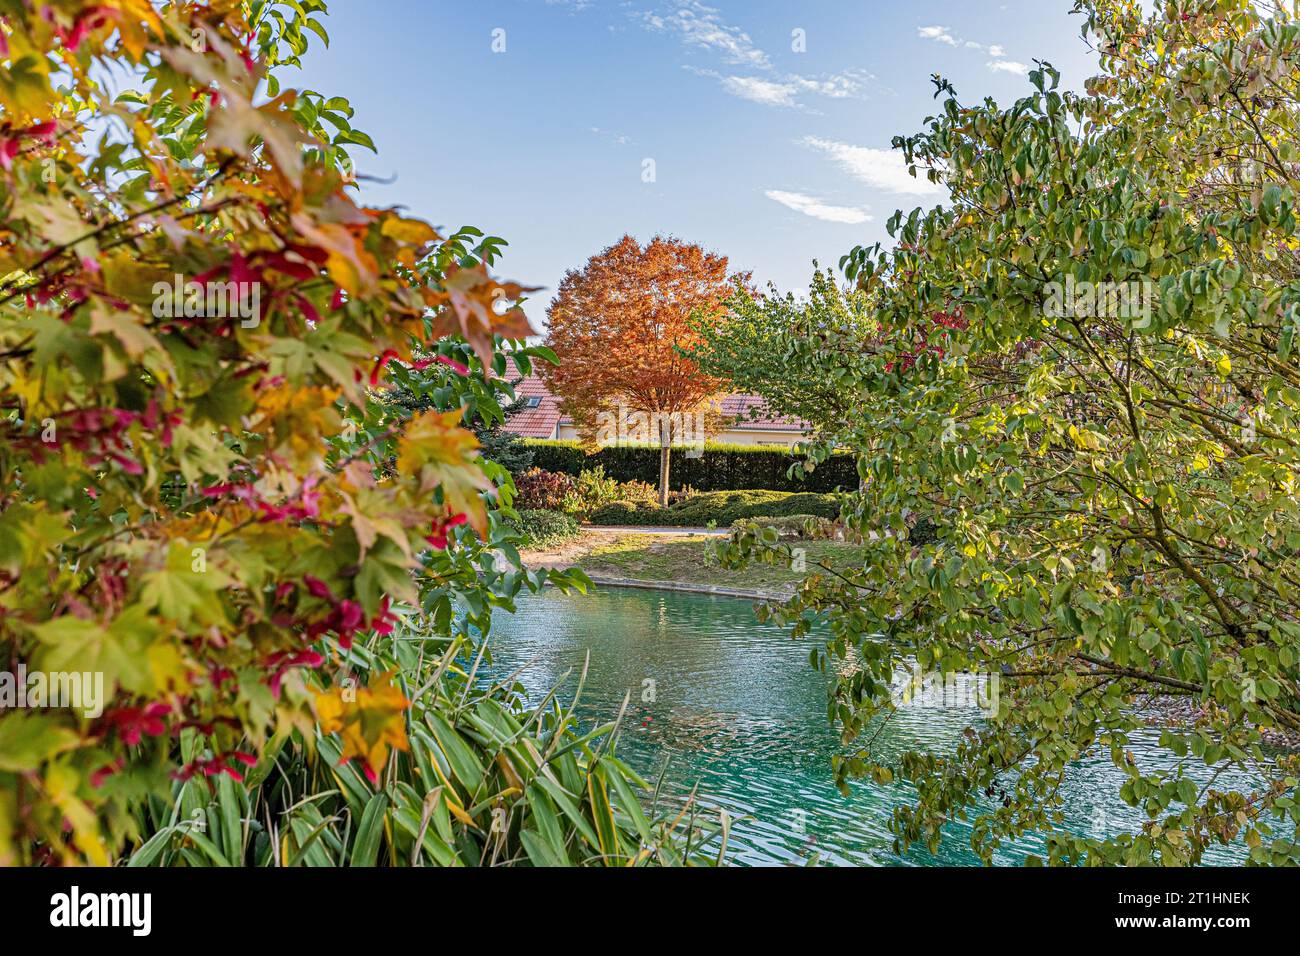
(1087,380)
(790,350)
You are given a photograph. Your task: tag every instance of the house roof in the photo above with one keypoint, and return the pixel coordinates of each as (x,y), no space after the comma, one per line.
(540,421)
(750,413)
(743,412)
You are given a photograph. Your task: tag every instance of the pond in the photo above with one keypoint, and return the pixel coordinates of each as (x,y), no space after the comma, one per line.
(738,711)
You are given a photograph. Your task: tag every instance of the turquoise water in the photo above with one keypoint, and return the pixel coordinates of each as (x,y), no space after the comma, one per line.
(738,711)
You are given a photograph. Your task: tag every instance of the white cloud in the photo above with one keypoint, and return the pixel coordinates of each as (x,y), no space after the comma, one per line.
(850,83)
(940,34)
(702,26)
(811,206)
(997,51)
(782,91)
(1009,66)
(698,25)
(757,90)
(613,136)
(879,168)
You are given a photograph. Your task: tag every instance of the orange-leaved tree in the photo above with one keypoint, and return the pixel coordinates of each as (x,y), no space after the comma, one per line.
(619,327)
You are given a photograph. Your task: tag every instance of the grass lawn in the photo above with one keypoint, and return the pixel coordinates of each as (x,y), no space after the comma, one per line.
(648,557)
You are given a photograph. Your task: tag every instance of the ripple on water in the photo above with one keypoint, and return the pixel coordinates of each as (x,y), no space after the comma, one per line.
(736,711)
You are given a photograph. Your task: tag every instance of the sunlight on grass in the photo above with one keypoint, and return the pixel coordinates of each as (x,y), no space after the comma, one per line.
(651,558)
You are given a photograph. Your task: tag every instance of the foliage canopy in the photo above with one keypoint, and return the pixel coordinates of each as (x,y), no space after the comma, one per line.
(1112,489)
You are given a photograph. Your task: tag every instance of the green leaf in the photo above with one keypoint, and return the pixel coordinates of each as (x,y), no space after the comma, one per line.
(28,740)
(370,831)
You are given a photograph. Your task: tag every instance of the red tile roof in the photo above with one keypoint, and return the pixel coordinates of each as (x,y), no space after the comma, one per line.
(744,412)
(750,413)
(539,422)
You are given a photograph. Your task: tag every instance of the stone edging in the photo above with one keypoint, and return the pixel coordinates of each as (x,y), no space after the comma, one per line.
(691,588)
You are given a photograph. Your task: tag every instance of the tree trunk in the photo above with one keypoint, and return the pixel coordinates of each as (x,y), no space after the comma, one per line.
(665,443)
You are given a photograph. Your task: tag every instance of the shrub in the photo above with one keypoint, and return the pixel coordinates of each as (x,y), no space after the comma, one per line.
(721,507)
(638,492)
(556,491)
(595,490)
(728,506)
(720,468)
(541,489)
(626,512)
(542,528)
(681,494)
(563,456)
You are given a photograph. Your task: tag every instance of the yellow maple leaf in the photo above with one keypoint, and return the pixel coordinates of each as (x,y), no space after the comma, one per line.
(62,783)
(369,726)
(444,455)
(294,419)
(417,232)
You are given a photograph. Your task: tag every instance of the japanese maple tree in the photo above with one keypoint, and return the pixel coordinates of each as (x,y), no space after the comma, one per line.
(213,510)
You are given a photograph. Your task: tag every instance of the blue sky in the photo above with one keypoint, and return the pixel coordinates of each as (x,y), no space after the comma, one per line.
(771,155)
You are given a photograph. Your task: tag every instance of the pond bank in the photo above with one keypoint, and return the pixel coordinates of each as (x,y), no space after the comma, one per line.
(691,588)
(683,559)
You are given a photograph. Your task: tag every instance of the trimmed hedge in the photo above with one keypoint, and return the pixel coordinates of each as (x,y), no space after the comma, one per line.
(542,528)
(720,468)
(722,507)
